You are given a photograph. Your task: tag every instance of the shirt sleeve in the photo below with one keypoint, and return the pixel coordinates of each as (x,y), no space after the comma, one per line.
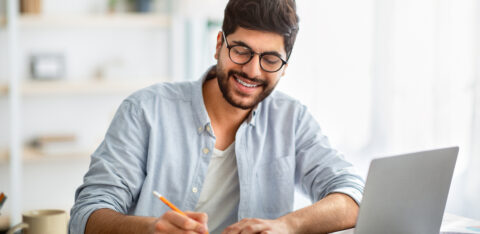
(117,168)
(320,169)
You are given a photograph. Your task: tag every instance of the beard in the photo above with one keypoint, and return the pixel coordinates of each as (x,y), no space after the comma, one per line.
(229,93)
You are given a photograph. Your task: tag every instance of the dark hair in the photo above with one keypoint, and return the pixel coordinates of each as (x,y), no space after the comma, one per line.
(277,16)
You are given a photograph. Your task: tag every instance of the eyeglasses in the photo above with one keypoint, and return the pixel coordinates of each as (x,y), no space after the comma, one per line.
(241,55)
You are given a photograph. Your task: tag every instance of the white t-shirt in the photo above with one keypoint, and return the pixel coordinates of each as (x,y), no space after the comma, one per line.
(221,192)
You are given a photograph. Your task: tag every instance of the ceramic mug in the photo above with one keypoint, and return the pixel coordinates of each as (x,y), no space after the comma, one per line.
(42,222)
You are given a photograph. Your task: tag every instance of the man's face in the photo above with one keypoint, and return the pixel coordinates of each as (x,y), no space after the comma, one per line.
(244,86)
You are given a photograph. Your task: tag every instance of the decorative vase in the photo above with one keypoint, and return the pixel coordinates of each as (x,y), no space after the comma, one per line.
(143,5)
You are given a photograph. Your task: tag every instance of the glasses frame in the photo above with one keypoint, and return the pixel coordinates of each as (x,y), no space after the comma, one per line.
(252,54)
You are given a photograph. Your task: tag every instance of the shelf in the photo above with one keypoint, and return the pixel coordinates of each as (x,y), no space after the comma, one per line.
(31,155)
(89,21)
(48,88)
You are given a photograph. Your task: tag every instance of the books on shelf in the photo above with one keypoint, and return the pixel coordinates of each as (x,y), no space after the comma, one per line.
(31,6)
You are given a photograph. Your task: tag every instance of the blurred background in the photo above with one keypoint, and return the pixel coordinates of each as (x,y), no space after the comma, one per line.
(382,77)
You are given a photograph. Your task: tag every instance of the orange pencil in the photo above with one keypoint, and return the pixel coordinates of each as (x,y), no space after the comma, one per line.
(169,204)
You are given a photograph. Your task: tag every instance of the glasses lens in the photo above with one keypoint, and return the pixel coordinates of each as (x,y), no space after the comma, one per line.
(240,54)
(271,63)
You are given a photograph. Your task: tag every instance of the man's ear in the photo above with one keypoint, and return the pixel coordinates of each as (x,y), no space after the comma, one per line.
(284,69)
(219,44)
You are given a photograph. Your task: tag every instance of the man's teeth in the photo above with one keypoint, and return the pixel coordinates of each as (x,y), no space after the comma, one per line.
(245,84)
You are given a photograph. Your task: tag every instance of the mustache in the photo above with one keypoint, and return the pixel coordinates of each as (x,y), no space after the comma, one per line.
(244,75)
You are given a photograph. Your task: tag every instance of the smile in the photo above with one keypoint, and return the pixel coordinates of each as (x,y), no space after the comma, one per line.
(245,83)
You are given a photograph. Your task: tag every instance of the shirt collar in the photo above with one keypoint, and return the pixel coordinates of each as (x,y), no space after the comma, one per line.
(253,114)
(199,106)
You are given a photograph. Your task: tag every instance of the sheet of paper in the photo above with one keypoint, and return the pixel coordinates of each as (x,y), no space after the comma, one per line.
(453,224)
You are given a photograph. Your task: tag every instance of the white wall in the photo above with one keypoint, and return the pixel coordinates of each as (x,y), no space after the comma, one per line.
(386,77)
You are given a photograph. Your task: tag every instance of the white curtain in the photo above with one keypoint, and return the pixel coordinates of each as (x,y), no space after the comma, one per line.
(385,77)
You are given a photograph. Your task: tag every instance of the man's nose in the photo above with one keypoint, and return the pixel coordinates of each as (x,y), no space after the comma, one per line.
(252,68)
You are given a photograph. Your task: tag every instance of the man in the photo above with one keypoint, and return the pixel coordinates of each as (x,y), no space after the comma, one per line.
(225,147)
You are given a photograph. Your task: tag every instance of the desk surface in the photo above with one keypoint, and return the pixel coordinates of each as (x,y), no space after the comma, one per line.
(451,224)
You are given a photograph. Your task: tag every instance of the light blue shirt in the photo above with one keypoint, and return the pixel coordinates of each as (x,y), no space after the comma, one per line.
(161,139)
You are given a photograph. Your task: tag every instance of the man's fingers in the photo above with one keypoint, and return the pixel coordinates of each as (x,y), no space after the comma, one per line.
(235,228)
(200,217)
(184,223)
(254,228)
(163,226)
(247,226)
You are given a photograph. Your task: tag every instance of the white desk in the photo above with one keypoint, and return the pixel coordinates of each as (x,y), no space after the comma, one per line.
(451,224)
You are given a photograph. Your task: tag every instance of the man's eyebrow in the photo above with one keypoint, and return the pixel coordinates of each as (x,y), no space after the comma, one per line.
(241,43)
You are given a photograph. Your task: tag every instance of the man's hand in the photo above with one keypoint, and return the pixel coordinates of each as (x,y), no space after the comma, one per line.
(173,222)
(261,226)
(334,212)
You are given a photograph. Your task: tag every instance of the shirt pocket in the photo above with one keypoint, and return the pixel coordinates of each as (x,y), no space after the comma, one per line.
(275,186)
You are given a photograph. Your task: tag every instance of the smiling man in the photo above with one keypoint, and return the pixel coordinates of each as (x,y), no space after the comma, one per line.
(227,148)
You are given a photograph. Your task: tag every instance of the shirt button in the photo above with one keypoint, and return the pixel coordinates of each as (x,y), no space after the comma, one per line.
(194,190)
(205,150)
(200,129)
(208,128)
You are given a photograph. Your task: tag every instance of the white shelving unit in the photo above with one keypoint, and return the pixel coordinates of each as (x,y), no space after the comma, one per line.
(16,156)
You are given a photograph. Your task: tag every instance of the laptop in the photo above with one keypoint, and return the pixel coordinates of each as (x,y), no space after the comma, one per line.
(407,193)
